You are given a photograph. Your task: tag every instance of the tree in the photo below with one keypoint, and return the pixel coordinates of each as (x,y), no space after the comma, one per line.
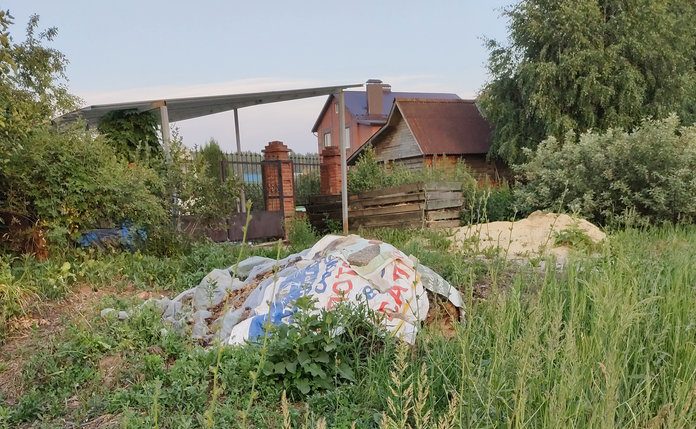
(589,64)
(32,80)
(32,88)
(213,157)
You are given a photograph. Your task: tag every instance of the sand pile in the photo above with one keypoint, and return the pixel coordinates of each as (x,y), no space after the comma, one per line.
(537,235)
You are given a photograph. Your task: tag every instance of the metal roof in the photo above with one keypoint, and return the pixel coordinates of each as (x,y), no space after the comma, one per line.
(180,109)
(356,104)
(440,127)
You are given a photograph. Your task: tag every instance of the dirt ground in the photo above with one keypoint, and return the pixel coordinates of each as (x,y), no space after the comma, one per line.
(526,238)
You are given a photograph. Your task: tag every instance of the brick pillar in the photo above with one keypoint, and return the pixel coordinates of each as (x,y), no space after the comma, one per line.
(278,180)
(330,170)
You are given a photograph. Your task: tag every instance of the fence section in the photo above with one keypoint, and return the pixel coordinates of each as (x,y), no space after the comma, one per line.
(417,205)
(305,176)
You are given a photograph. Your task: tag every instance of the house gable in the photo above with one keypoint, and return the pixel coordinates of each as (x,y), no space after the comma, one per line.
(396,141)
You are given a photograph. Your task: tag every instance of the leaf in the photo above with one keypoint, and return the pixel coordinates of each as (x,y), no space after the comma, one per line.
(316,371)
(303,358)
(322,357)
(291,366)
(279,368)
(303,386)
(345,371)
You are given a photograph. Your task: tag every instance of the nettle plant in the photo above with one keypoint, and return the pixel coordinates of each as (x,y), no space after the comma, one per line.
(320,350)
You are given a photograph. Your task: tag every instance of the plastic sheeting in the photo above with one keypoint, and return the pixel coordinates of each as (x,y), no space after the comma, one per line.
(336,269)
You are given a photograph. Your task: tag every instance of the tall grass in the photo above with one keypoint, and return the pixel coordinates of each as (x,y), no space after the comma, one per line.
(609,342)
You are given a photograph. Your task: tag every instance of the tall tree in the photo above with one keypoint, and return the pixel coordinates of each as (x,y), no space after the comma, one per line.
(589,64)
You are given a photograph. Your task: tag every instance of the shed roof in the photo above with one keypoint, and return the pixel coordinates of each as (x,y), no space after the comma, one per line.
(180,109)
(440,127)
(356,104)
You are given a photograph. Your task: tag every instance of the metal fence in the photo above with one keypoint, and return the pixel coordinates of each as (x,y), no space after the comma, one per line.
(248,166)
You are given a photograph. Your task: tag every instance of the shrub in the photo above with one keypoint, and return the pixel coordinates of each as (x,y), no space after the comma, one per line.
(132,134)
(214,157)
(301,234)
(615,176)
(198,191)
(72,180)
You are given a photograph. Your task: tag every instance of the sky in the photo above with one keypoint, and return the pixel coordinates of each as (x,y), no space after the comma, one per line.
(131,50)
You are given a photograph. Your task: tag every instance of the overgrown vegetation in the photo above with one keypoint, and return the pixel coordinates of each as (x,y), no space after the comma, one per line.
(589,65)
(368,174)
(132,134)
(553,349)
(643,176)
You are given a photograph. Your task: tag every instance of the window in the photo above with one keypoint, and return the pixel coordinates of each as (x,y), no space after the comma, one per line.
(327,139)
(346,137)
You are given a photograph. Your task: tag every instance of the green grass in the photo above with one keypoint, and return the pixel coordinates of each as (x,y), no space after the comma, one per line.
(608,342)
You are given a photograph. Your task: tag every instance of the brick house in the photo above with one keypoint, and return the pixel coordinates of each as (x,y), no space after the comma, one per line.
(366,112)
(420,130)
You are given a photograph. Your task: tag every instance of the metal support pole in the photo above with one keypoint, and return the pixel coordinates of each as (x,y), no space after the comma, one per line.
(344,168)
(167,147)
(166,132)
(240,171)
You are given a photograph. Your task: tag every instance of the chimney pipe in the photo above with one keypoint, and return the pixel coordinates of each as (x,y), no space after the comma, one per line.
(375,97)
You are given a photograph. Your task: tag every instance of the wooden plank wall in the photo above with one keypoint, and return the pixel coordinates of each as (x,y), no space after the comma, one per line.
(417,205)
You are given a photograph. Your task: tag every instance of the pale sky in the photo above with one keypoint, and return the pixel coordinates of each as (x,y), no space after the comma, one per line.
(131,50)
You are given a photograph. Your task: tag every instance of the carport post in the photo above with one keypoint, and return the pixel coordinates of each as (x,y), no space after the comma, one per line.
(240,168)
(166,132)
(166,145)
(342,148)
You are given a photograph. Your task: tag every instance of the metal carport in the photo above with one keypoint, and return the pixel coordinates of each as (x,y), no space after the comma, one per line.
(179,109)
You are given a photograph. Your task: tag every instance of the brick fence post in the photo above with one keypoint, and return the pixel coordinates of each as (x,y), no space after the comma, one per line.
(330,171)
(278,181)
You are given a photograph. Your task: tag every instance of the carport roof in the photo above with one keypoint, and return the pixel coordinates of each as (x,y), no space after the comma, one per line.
(180,109)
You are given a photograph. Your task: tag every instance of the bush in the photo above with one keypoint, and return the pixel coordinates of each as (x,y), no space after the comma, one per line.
(647,174)
(301,235)
(72,181)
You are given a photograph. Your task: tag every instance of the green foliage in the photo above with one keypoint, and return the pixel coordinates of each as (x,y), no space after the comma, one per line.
(133,134)
(214,159)
(490,204)
(32,81)
(368,174)
(318,351)
(307,185)
(647,174)
(569,348)
(575,238)
(32,89)
(589,65)
(301,235)
(72,180)
(254,192)
(198,192)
